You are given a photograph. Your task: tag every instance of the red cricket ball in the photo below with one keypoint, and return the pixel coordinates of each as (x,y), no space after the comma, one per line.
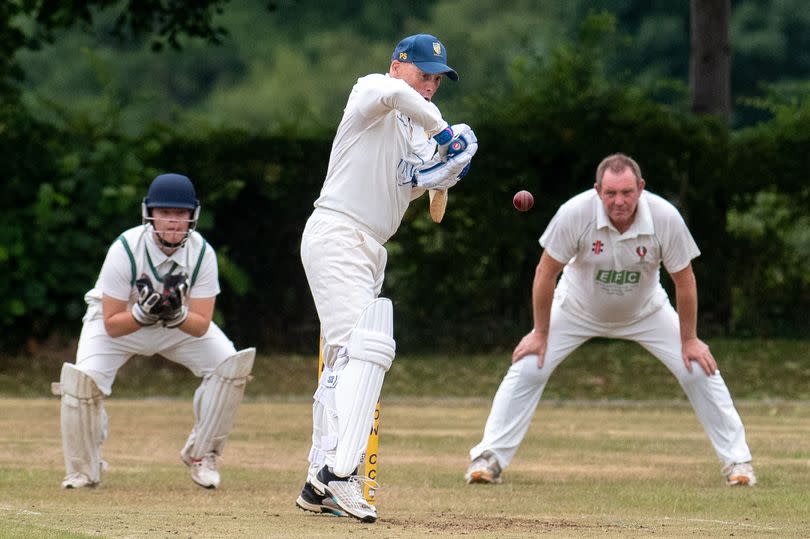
(523,200)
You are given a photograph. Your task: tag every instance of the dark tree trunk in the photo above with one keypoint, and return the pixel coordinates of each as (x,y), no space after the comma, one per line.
(709,61)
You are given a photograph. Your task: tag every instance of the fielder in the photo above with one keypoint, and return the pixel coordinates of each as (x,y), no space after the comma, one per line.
(609,243)
(391,145)
(154,295)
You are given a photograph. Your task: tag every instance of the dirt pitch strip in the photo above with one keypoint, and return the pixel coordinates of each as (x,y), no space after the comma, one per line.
(631,469)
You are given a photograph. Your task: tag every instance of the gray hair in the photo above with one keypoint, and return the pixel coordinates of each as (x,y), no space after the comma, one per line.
(617,163)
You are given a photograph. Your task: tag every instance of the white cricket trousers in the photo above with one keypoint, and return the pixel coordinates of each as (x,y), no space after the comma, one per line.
(659,333)
(100,356)
(345,268)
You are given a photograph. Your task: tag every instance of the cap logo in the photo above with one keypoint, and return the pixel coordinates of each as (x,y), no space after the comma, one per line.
(403,56)
(437,48)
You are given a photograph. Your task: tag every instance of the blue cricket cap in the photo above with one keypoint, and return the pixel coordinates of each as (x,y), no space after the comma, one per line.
(426,52)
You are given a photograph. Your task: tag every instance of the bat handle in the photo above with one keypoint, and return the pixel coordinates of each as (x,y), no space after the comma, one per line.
(438,204)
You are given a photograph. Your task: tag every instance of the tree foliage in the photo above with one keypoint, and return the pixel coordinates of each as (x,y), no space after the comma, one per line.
(546,111)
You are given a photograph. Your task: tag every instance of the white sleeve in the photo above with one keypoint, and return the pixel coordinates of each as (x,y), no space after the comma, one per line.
(560,239)
(380,95)
(206,281)
(115,278)
(678,246)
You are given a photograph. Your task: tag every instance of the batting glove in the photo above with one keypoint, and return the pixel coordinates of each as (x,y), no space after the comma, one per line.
(448,172)
(444,136)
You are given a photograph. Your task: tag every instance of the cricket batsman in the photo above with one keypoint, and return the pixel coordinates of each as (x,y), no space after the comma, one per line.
(391,145)
(154,295)
(609,243)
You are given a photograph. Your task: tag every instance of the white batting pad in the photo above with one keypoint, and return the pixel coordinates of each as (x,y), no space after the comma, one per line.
(371,351)
(215,405)
(323,407)
(84,423)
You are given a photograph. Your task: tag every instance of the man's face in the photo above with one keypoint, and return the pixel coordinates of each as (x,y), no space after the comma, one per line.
(424,83)
(619,195)
(171,223)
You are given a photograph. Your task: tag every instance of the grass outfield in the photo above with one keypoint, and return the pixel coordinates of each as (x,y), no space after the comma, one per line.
(753,369)
(585,469)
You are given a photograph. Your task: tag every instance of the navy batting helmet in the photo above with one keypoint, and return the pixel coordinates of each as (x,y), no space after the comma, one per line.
(171,191)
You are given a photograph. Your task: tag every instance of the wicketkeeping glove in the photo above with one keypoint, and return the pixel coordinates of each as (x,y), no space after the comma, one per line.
(175,290)
(148,308)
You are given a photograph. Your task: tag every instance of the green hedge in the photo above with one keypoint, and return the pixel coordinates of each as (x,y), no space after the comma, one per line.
(461,285)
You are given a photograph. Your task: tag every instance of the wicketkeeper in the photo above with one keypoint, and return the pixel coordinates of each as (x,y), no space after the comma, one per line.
(391,145)
(154,295)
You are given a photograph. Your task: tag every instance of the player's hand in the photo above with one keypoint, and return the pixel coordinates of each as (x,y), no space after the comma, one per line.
(175,290)
(697,350)
(533,343)
(148,308)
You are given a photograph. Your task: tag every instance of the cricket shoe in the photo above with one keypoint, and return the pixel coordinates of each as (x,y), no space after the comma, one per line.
(740,474)
(80,480)
(309,500)
(347,493)
(484,469)
(77,480)
(203,470)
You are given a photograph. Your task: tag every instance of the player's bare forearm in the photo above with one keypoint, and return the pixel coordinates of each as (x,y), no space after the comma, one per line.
(118,320)
(692,348)
(545,279)
(200,312)
(121,324)
(686,302)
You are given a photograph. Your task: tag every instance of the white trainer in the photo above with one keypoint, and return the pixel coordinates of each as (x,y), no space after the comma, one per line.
(484,469)
(347,493)
(80,480)
(203,471)
(77,480)
(740,474)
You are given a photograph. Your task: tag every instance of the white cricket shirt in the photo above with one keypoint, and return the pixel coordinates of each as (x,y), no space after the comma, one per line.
(383,136)
(611,277)
(135,253)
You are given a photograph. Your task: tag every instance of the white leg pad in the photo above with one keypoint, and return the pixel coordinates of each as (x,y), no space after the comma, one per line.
(371,351)
(215,404)
(84,423)
(323,407)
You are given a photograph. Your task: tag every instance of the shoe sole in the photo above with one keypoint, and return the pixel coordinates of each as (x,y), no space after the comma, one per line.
(482,478)
(304,505)
(323,490)
(740,482)
(368,519)
(210,487)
